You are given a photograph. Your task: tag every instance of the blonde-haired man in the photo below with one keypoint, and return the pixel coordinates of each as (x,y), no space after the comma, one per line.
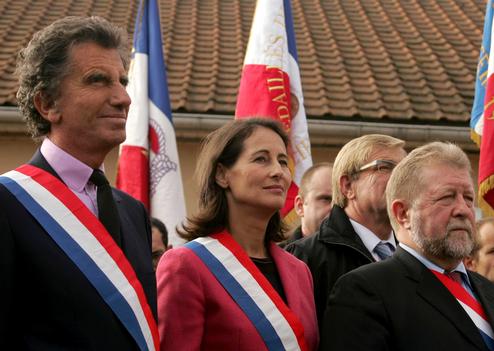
(357,231)
(422,298)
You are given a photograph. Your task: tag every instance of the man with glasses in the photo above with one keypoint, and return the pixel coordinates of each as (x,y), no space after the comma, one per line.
(358,230)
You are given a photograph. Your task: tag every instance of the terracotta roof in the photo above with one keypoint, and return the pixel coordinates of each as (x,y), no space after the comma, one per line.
(368,60)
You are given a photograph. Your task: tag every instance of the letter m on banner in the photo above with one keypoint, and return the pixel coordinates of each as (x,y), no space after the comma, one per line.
(271,87)
(148,167)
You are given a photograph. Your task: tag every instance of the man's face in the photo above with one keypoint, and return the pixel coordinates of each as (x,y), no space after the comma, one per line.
(316,204)
(158,248)
(91,110)
(157,243)
(368,195)
(483,262)
(442,217)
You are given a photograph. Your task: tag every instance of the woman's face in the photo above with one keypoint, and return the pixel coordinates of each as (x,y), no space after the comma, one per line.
(260,177)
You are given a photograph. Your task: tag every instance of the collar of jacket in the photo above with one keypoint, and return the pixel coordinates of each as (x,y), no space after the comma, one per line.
(337,230)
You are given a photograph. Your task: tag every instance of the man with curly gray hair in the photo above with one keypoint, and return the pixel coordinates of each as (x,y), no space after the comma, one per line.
(357,231)
(75,254)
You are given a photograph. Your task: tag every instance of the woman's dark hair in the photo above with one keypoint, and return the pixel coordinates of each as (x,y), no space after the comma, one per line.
(224,146)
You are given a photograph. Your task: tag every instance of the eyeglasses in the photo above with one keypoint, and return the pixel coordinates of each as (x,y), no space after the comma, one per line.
(379,165)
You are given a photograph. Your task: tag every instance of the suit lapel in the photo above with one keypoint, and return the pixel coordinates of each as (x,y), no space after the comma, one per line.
(484,290)
(39,161)
(439,297)
(343,232)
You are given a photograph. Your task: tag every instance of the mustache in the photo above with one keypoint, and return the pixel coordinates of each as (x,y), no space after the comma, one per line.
(457,224)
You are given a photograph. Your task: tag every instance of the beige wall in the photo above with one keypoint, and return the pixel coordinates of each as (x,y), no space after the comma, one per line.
(15,150)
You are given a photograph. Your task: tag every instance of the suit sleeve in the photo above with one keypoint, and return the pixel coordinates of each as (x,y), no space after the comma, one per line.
(181,301)
(7,275)
(355,318)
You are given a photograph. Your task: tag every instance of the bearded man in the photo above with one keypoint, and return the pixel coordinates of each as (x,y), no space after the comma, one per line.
(422,298)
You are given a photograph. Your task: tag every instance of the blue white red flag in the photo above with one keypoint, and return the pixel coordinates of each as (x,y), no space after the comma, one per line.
(271,86)
(482,118)
(148,167)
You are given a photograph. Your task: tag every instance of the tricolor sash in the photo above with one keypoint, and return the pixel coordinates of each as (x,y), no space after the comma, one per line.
(471,306)
(84,239)
(276,323)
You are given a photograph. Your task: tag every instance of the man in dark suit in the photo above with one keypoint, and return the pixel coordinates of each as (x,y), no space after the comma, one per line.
(75,255)
(422,298)
(358,224)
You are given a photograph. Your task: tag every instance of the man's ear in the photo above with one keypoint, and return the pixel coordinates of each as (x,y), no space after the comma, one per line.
(470,263)
(221,176)
(299,206)
(47,108)
(401,213)
(346,187)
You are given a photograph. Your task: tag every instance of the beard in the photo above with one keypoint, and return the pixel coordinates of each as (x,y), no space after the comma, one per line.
(455,244)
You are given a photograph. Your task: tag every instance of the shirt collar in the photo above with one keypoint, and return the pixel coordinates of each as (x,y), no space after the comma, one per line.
(370,239)
(431,265)
(74,173)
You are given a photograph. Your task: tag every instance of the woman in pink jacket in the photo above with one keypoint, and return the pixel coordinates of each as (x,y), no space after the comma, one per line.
(231,287)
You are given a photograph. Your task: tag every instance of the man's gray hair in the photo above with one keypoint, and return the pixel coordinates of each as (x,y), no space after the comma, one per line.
(43,64)
(406,180)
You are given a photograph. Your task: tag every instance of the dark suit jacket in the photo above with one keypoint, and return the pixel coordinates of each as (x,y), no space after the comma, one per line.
(331,252)
(46,303)
(399,304)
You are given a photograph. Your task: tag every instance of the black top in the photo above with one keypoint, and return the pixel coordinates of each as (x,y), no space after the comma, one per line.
(268,268)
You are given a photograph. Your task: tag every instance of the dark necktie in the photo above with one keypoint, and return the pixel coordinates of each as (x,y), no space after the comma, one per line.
(384,250)
(455,275)
(107,211)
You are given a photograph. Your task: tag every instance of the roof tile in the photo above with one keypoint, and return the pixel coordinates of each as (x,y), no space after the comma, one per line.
(364,59)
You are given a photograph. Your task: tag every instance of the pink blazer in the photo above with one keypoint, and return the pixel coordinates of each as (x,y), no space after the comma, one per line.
(196,313)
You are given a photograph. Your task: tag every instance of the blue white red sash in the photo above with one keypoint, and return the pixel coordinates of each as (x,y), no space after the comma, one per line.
(471,306)
(86,242)
(277,325)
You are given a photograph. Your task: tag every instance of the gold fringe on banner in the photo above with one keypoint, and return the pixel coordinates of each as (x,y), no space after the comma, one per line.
(477,139)
(291,219)
(484,187)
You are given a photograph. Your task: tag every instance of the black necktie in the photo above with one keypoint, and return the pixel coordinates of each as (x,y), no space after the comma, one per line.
(107,211)
(454,275)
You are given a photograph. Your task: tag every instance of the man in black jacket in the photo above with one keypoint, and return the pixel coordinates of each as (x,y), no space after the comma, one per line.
(358,225)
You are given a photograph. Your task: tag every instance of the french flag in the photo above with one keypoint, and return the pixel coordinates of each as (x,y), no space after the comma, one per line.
(148,167)
(271,87)
(482,118)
